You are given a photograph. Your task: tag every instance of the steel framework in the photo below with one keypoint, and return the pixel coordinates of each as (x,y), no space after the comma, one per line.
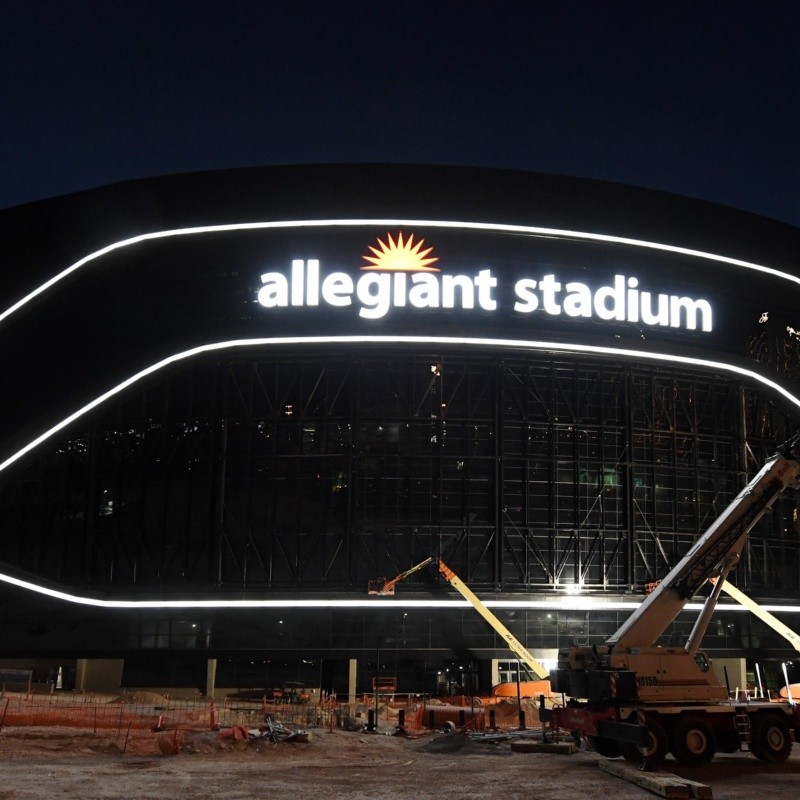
(317,471)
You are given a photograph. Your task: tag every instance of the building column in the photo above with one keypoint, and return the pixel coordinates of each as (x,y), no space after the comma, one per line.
(351,684)
(81,668)
(98,674)
(211,677)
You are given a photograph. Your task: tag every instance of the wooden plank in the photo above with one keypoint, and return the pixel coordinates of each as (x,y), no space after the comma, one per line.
(664,784)
(699,790)
(561,748)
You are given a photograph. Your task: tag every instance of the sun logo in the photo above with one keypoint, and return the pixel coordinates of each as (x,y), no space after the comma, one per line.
(400,256)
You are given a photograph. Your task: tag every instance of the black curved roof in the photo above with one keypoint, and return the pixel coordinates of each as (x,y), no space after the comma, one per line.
(40,239)
(62,229)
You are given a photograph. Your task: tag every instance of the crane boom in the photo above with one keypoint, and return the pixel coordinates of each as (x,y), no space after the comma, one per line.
(714,554)
(383,587)
(513,643)
(784,630)
(387,587)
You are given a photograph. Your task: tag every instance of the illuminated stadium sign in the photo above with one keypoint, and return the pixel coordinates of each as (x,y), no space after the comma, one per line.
(400,275)
(508,316)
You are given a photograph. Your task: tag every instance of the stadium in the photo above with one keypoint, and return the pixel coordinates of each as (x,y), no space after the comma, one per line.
(233,399)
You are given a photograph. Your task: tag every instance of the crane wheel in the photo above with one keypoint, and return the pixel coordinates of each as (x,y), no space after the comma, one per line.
(770,738)
(650,756)
(692,741)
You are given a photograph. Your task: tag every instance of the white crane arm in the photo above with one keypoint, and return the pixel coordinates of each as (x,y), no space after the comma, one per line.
(714,554)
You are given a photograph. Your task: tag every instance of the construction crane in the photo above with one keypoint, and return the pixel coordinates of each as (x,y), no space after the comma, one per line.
(633,697)
(751,605)
(384,587)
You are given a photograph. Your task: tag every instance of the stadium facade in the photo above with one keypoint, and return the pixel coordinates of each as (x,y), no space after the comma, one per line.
(233,398)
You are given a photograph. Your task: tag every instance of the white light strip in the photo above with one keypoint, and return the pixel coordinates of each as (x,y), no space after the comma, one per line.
(534,230)
(468,341)
(568,603)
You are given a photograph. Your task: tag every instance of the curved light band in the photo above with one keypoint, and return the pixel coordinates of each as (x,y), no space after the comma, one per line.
(571,603)
(568,603)
(468,341)
(530,230)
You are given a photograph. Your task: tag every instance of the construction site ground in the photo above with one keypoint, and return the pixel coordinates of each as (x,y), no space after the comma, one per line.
(74,764)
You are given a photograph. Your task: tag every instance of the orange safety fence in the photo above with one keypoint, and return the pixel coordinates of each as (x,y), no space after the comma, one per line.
(119,713)
(458,713)
(94,712)
(85,712)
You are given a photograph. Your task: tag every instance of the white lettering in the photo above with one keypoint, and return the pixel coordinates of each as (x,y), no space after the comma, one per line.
(661,317)
(528,301)
(449,285)
(616,294)
(549,286)
(275,291)
(485,282)
(692,308)
(425,291)
(337,289)
(377,292)
(298,282)
(578,303)
(633,300)
(312,282)
(399,289)
(375,303)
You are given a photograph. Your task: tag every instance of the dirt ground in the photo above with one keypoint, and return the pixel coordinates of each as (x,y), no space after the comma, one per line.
(37,763)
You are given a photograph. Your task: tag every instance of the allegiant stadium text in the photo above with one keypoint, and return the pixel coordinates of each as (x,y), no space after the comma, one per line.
(377,293)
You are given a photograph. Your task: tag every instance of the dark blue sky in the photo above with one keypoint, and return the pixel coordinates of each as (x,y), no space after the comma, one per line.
(698,98)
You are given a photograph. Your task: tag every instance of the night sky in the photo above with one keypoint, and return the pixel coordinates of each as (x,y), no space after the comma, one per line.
(697,98)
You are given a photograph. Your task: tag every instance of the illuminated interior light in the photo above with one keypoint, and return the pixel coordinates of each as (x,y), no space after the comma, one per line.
(349,223)
(575,603)
(426,340)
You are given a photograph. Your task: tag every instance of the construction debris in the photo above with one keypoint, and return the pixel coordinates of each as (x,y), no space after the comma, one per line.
(39,763)
(451,743)
(270,731)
